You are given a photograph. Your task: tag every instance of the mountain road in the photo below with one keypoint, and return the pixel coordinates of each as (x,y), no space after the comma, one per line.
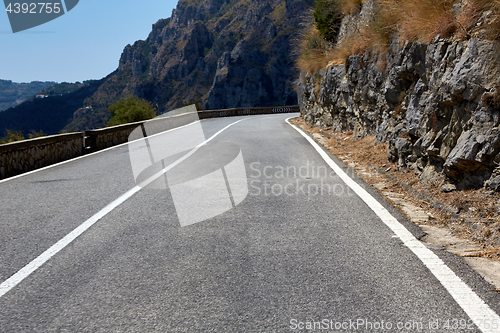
(282,237)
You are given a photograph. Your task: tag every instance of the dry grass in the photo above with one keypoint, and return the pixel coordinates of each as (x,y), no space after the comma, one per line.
(315,52)
(423,20)
(350,7)
(494,25)
(471,11)
(417,20)
(349,47)
(492,7)
(407,20)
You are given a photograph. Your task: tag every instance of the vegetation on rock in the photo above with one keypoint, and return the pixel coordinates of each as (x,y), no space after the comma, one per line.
(402,20)
(327,17)
(12,136)
(421,76)
(129,110)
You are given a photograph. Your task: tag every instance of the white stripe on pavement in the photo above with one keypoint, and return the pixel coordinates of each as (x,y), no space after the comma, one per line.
(479,312)
(18,277)
(84,156)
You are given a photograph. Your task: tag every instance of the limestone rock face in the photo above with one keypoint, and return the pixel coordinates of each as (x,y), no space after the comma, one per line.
(431,102)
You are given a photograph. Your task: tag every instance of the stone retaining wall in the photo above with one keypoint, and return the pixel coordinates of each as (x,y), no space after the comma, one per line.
(28,155)
(435,104)
(108,137)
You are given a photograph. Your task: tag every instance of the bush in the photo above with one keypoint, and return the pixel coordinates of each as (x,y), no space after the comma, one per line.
(12,136)
(419,20)
(35,134)
(327,17)
(129,110)
(350,7)
(196,102)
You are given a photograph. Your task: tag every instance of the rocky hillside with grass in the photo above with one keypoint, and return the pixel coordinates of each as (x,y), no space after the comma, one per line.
(220,53)
(422,76)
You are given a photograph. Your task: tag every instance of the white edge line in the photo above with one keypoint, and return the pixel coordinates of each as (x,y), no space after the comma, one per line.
(478,311)
(87,155)
(183,158)
(103,150)
(27,270)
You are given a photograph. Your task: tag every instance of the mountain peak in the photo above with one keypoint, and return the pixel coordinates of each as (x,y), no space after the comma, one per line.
(223,53)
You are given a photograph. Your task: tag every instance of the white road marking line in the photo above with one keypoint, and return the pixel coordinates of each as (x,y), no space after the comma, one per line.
(84,156)
(97,152)
(478,311)
(15,279)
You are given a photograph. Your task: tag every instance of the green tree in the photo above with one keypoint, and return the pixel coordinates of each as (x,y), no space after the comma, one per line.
(12,136)
(34,134)
(129,110)
(327,17)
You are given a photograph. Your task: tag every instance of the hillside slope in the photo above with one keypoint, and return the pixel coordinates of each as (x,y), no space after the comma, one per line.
(12,93)
(49,114)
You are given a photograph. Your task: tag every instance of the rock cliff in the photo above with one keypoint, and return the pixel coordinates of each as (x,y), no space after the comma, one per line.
(223,53)
(436,104)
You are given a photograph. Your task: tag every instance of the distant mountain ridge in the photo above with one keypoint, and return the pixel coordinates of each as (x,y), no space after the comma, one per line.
(51,113)
(13,94)
(220,53)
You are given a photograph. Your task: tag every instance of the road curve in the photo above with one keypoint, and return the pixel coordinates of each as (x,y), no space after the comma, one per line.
(300,250)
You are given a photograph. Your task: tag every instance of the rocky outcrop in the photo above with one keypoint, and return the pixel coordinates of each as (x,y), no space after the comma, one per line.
(436,104)
(223,53)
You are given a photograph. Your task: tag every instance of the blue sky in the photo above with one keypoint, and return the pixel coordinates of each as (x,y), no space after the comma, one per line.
(85,43)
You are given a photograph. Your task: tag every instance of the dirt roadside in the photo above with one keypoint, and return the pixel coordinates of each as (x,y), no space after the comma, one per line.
(466,223)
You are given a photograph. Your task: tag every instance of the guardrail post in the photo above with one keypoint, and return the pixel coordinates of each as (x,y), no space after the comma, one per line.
(89,142)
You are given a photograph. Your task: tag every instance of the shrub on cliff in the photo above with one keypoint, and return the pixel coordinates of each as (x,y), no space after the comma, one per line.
(327,17)
(129,110)
(405,20)
(316,43)
(418,20)
(314,50)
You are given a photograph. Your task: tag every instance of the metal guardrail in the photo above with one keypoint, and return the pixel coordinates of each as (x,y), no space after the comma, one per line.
(247,111)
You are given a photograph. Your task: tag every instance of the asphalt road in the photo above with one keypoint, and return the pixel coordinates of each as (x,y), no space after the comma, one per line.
(300,247)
